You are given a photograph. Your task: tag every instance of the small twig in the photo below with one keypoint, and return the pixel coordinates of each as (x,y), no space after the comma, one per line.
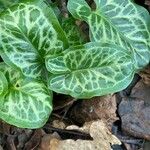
(68,134)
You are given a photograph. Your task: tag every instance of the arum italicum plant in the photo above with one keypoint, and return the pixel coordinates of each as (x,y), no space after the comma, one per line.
(42,54)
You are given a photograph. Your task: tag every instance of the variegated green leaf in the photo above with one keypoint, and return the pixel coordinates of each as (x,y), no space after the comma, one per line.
(56,65)
(119,21)
(74,34)
(91,70)
(3,84)
(29,31)
(27,103)
(4,4)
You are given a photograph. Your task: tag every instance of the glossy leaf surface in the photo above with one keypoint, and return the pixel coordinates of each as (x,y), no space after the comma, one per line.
(27,103)
(4,4)
(119,21)
(3,84)
(93,69)
(29,31)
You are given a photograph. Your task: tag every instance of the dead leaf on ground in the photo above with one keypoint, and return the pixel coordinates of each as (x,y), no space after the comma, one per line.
(11,143)
(145,74)
(23,137)
(68,133)
(134,111)
(102,139)
(12,137)
(35,140)
(46,139)
(58,124)
(96,108)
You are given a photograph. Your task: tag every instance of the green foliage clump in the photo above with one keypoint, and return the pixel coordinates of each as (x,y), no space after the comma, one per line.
(42,54)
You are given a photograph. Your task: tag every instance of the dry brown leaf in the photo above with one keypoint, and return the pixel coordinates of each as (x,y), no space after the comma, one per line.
(5,128)
(145,74)
(134,111)
(49,140)
(58,124)
(23,138)
(102,139)
(35,140)
(103,108)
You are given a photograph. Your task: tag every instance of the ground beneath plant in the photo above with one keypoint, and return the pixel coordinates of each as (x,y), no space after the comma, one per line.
(120,121)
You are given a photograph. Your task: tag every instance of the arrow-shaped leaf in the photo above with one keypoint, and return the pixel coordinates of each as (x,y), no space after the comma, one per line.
(93,69)
(27,103)
(29,31)
(119,21)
